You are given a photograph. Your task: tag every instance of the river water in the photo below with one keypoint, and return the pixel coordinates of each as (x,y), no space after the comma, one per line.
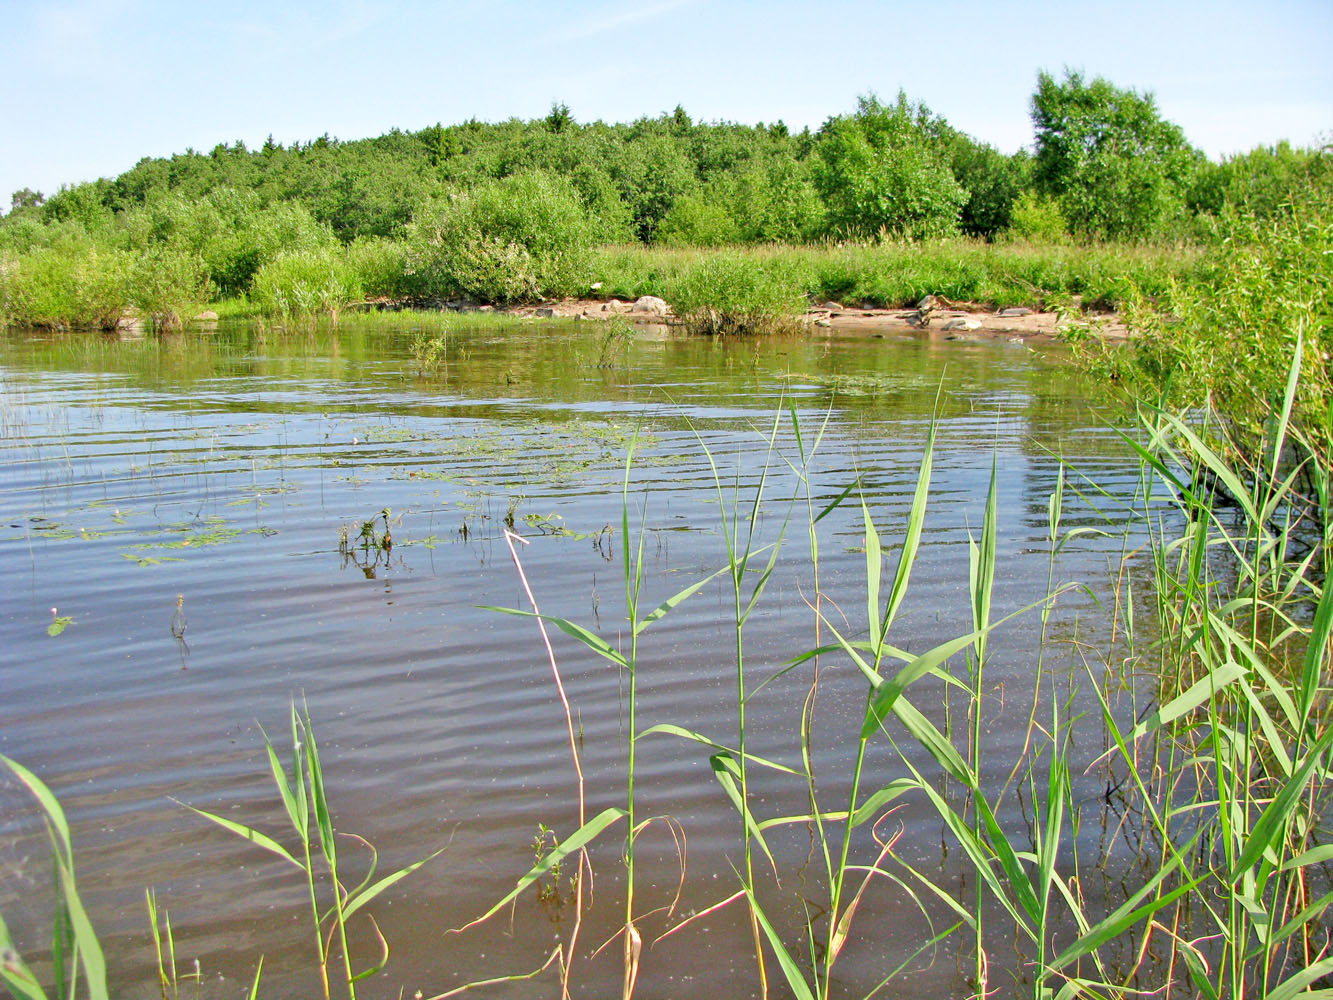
(208,510)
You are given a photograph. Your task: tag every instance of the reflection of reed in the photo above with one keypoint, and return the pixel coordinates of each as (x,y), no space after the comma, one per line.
(178,625)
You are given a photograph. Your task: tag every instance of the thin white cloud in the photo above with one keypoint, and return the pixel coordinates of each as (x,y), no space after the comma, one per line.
(607,20)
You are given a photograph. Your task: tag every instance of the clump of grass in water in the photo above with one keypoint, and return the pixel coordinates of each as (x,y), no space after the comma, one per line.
(734,293)
(302,285)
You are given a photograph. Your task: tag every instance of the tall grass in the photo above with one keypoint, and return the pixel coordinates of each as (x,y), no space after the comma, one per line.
(729,293)
(305,284)
(894,275)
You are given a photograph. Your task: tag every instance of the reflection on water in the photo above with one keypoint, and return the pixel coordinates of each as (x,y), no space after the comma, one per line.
(235,520)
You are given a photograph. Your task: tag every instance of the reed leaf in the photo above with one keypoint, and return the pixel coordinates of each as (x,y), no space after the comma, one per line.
(670,729)
(88,949)
(249,833)
(14,972)
(790,970)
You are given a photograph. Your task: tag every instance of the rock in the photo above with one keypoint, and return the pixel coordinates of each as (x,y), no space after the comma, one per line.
(207,316)
(927,303)
(546,312)
(822,322)
(832,306)
(920,319)
(962,324)
(485,309)
(649,305)
(1015,312)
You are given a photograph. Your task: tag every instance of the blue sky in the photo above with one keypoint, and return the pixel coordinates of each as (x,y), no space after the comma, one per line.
(90,86)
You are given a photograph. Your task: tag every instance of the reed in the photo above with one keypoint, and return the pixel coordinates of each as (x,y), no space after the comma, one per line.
(305,799)
(75,948)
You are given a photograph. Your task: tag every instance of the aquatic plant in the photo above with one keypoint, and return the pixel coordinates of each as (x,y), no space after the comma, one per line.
(305,798)
(75,948)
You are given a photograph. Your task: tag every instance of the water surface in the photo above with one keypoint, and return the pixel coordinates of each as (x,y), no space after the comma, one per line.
(230,474)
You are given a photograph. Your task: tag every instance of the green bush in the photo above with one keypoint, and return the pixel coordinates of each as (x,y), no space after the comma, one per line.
(69,286)
(730,292)
(1037,218)
(380,266)
(233,232)
(520,237)
(1228,333)
(1261,181)
(695,220)
(306,283)
(166,285)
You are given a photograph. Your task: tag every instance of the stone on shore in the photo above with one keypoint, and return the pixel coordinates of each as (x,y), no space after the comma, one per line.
(962,324)
(649,305)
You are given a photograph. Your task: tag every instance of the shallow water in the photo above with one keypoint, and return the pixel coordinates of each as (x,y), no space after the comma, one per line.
(234,471)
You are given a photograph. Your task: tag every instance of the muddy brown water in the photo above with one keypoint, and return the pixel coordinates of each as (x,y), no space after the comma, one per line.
(227,467)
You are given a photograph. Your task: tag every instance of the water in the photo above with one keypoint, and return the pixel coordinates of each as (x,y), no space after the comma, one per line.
(195,506)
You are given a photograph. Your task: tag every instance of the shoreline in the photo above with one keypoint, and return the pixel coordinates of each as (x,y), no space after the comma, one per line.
(959,321)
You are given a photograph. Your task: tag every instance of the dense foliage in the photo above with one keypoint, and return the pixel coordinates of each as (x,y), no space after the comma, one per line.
(1116,168)
(514,210)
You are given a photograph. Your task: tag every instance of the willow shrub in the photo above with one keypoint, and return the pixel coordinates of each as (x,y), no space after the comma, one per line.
(380,265)
(72,286)
(1226,333)
(517,238)
(233,232)
(307,284)
(166,286)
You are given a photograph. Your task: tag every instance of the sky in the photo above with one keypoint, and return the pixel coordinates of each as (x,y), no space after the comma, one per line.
(88,87)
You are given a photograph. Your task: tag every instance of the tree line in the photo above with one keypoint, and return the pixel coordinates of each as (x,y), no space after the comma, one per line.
(1105,166)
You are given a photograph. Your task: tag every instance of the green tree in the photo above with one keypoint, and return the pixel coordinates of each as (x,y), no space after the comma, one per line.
(993,182)
(1261,181)
(1114,165)
(882,171)
(26,199)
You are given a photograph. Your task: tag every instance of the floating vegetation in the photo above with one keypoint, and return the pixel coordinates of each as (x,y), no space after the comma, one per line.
(59,623)
(364,545)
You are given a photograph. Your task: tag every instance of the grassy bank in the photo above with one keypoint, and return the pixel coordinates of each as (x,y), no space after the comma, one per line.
(898,274)
(763,283)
